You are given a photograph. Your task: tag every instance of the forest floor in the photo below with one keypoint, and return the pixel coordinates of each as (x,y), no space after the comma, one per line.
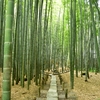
(84,90)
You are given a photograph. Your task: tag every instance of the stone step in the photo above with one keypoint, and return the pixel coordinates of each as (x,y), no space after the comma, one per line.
(52,94)
(53,77)
(50,98)
(53,87)
(52,90)
(53,82)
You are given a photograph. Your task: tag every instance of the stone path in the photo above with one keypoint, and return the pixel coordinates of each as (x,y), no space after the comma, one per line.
(53,90)
(52,93)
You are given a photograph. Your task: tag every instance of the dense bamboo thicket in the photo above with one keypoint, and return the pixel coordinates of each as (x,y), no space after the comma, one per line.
(39,35)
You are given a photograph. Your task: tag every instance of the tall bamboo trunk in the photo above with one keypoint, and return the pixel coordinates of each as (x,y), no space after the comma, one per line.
(6,93)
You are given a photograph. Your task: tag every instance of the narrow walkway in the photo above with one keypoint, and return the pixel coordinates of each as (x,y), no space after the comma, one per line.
(52,93)
(53,90)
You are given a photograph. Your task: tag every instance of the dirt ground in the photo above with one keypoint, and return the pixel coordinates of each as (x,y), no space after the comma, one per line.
(84,90)
(19,93)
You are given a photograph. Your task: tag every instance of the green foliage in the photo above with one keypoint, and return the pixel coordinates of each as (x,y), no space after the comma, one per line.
(52,31)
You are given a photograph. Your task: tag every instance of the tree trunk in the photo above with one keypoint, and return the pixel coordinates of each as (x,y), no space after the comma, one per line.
(6,94)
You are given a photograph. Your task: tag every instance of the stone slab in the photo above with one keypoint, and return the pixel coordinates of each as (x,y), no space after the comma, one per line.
(50,98)
(53,82)
(40,98)
(53,87)
(52,90)
(52,94)
(53,77)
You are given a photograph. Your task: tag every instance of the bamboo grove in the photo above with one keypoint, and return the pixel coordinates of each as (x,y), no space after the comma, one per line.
(39,35)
